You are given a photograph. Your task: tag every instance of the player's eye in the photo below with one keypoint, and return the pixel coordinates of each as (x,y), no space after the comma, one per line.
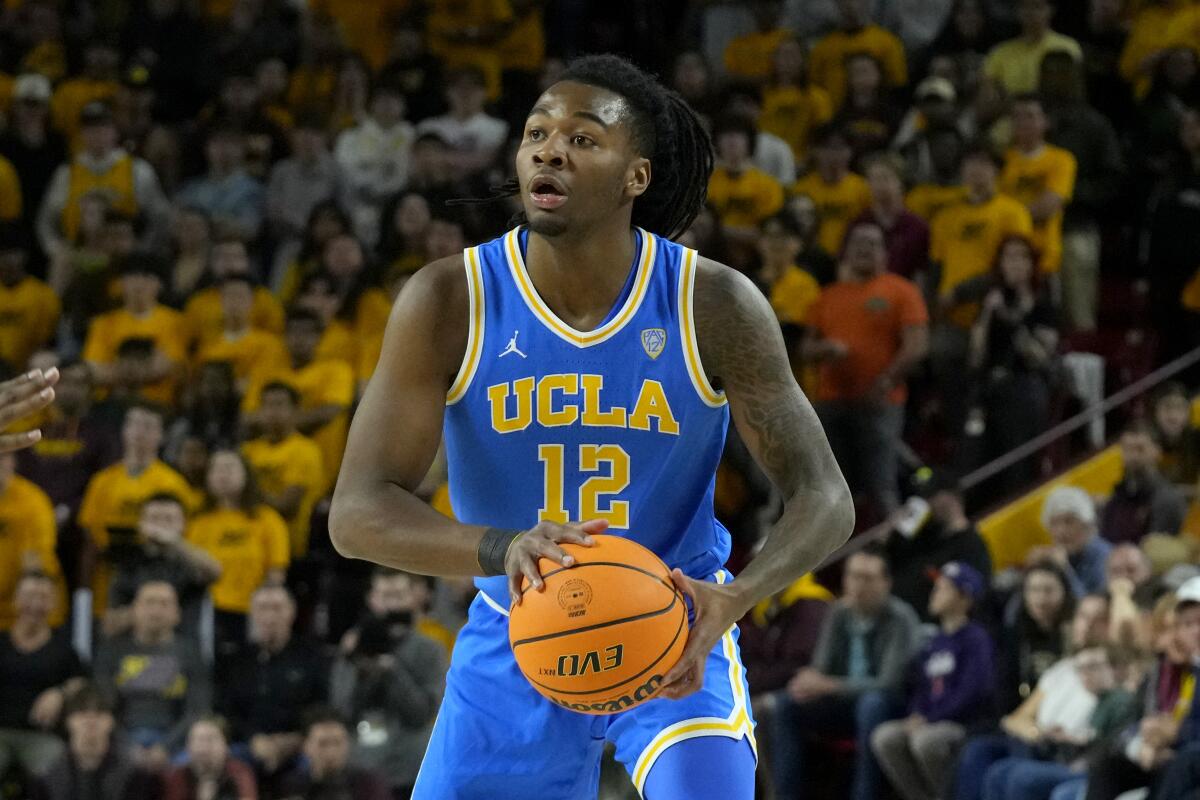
(536,134)
(581,140)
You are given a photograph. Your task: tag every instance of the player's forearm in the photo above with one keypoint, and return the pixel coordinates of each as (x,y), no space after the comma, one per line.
(385,523)
(815,522)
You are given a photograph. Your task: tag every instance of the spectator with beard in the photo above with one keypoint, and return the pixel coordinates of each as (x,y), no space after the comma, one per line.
(388,680)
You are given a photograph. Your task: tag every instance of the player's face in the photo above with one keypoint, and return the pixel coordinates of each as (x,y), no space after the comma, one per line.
(577,163)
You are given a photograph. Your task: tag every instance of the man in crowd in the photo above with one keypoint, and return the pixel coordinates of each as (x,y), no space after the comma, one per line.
(161,554)
(854,682)
(1144,502)
(388,681)
(94,766)
(38,670)
(326,772)
(867,331)
(157,681)
(953,679)
(265,687)
(917,546)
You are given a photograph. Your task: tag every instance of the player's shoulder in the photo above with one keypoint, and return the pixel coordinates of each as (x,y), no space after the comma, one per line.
(723,296)
(440,284)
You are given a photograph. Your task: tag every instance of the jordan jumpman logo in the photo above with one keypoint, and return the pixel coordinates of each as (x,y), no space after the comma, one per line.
(512,347)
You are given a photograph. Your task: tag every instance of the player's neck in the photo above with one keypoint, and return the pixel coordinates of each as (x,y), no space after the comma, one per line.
(580,277)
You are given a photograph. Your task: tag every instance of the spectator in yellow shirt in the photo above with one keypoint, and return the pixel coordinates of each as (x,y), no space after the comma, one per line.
(113,500)
(855,34)
(326,390)
(97,81)
(791,108)
(839,194)
(245,347)
(1040,176)
(203,310)
(141,316)
(928,199)
(748,57)
(286,463)
(963,245)
(1013,65)
(742,194)
(247,538)
(791,289)
(965,237)
(27,537)
(29,309)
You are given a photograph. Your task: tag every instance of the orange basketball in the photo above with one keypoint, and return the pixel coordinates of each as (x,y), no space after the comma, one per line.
(601,635)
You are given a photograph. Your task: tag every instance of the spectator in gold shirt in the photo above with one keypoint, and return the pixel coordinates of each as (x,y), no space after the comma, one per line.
(855,34)
(1039,175)
(839,194)
(29,309)
(742,194)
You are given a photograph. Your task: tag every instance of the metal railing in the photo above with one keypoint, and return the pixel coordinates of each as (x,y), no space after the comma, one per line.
(1023,451)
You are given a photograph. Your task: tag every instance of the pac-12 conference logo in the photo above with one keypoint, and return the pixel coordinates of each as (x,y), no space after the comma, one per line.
(654,341)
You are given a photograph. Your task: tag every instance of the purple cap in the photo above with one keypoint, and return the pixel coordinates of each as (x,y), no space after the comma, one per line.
(965,578)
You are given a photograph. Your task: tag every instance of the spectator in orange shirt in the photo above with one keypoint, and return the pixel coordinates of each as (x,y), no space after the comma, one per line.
(868,330)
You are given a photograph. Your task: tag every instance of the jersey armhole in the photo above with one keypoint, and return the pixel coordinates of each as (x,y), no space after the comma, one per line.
(687,334)
(470,363)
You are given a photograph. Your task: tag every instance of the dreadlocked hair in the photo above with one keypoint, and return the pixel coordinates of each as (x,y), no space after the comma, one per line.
(665,130)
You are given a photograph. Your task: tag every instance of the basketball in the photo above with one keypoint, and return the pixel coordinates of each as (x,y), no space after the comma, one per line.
(601,634)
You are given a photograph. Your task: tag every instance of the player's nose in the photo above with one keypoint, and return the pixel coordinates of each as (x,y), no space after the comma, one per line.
(551,153)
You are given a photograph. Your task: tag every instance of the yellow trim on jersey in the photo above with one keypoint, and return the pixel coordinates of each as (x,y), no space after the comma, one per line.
(687,330)
(516,264)
(475,330)
(735,726)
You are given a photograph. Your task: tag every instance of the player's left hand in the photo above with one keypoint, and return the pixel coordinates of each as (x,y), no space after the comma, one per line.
(717,607)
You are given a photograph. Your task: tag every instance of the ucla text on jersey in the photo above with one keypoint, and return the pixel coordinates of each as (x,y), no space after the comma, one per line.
(545,422)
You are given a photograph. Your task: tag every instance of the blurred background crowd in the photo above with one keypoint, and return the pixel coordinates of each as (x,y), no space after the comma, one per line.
(975,219)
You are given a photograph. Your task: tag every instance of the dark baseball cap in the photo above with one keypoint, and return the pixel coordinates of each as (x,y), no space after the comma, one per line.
(964,577)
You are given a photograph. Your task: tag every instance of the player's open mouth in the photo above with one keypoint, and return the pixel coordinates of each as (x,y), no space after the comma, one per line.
(547,192)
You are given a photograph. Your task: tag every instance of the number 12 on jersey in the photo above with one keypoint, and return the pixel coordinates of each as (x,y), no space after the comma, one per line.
(602,458)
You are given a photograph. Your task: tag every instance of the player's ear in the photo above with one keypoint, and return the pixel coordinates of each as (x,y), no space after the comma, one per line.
(637,178)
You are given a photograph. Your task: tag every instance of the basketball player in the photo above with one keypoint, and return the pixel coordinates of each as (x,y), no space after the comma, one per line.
(582,370)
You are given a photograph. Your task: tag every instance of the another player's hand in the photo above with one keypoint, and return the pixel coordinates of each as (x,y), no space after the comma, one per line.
(542,542)
(717,608)
(21,397)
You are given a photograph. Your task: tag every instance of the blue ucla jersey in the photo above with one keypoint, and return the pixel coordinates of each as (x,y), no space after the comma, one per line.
(545,422)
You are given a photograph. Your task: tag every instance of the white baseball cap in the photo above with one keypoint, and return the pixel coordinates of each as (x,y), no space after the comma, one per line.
(1189,592)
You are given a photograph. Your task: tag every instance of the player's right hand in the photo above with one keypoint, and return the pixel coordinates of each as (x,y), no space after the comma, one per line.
(542,542)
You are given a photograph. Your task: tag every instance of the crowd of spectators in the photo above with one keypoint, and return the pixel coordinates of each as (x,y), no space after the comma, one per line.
(207,208)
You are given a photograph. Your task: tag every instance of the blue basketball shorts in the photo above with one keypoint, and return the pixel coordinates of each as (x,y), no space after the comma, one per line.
(496,738)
